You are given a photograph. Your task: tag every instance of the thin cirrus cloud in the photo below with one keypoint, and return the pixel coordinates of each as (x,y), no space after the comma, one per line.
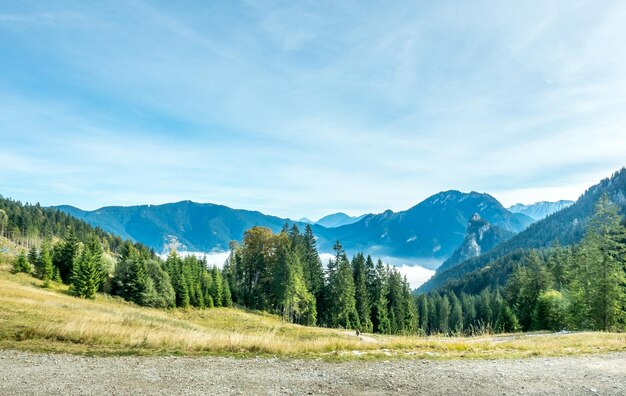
(306,108)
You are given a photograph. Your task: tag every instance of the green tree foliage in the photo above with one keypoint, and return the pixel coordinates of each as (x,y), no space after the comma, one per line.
(45,267)
(598,287)
(506,321)
(21,264)
(33,257)
(86,276)
(361,293)
(341,291)
(66,256)
(575,287)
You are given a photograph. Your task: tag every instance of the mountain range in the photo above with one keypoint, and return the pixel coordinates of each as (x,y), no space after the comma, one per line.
(566,226)
(430,230)
(540,210)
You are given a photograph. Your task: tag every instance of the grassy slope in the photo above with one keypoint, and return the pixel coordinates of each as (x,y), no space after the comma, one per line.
(37,319)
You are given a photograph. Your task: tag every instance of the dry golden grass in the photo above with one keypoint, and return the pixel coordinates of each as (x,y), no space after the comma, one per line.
(37,319)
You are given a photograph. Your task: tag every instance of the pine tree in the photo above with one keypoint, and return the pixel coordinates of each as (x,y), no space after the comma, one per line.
(313,270)
(361,293)
(506,321)
(422,304)
(599,291)
(95,248)
(443,314)
(33,257)
(217,287)
(46,269)
(341,291)
(456,314)
(380,314)
(21,264)
(67,254)
(86,276)
(226,295)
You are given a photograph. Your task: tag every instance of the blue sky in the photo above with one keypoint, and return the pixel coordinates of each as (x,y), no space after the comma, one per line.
(306,108)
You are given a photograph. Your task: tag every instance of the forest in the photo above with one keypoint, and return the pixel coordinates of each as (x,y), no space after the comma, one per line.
(576,287)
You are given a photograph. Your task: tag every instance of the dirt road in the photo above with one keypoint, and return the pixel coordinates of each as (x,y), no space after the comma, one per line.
(48,374)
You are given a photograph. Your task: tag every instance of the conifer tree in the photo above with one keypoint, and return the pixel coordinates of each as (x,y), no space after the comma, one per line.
(456,314)
(226,295)
(506,321)
(217,287)
(361,293)
(46,269)
(341,291)
(21,264)
(64,260)
(380,314)
(33,257)
(312,266)
(86,276)
(422,303)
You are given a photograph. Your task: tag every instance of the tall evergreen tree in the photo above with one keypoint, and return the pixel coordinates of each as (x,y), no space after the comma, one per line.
(21,264)
(86,276)
(361,294)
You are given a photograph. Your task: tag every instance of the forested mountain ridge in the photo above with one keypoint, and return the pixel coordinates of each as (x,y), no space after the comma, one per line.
(192,226)
(566,226)
(480,238)
(433,228)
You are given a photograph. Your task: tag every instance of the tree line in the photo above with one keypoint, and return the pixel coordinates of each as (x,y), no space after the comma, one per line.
(582,286)
(577,287)
(283,273)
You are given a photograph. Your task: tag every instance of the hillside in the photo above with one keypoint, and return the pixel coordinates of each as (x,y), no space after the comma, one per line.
(567,226)
(49,320)
(479,238)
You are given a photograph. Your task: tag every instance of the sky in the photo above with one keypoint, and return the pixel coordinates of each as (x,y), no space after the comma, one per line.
(310,107)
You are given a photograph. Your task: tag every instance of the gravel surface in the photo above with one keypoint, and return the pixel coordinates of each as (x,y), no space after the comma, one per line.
(55,374)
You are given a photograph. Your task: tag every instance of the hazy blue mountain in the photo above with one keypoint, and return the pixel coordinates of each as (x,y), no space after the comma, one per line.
(540,210)
(432,229)
(337,220)
(195,226)
(567,226)
(480,237)
(429,231)
(305,220)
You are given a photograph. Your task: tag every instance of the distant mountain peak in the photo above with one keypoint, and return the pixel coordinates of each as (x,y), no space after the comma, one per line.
(337,220)
(540,210)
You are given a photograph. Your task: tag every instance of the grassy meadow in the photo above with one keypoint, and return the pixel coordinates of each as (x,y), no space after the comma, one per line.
(33,318)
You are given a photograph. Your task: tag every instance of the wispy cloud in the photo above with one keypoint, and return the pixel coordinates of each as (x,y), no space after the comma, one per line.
(309,107)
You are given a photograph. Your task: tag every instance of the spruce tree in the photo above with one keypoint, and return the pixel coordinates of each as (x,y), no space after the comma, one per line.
(456,314)
(67,254)
(506,321)
(46,269)
(33,257)
(361,293)
(86,276)
(226,295)
(217,287)
(21,264)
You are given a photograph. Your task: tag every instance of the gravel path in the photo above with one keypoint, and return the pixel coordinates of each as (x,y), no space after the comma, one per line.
(50,374)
